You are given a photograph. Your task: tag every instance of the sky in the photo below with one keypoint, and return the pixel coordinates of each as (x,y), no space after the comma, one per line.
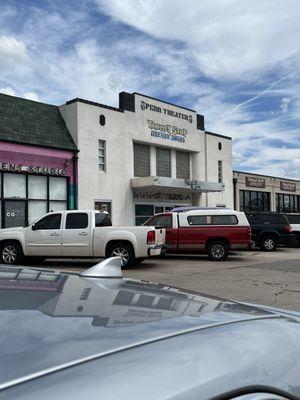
(237,62)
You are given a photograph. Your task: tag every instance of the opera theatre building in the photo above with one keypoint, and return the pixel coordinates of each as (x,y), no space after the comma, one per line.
(146,156)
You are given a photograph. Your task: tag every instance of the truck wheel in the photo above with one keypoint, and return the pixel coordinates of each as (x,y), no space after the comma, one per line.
(123,250)
(11,253)
(268,243)
(217,251)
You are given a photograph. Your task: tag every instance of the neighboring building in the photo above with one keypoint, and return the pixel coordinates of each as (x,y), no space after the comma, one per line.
(254,192)
(37,161)
(147,156)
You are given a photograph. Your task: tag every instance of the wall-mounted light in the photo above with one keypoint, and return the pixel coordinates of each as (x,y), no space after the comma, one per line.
(67,163)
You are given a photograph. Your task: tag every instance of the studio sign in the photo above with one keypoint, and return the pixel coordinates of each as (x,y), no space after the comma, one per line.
(166,111)
(31,169)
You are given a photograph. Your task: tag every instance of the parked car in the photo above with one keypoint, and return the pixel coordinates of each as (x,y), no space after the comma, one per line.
(89,337)
(214,231)
(294,221)
(80,234)
(269,230)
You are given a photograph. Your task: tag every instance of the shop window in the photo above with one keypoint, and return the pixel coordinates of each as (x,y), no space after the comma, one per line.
(220,171)
(14,213)
(287,202)
(141,155)
(58,206)
(77,221)
(251,200)
(36,209)
(37,187)
(143,212)
(57,188)
(14,186)
(163,162)
(182,165)
(101,155)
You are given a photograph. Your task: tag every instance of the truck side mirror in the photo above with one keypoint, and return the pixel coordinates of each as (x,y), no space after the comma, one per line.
(33,227)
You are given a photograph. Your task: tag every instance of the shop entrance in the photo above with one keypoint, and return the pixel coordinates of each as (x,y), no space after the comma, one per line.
(14,213)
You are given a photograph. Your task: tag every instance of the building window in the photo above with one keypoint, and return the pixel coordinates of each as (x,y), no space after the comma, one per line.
(220,146)
(102,120)
(25,198)
(287,202)
(163,162)
(101,155)
(143,212)
(182,165)
(220,171)
(141,156)
(254,201)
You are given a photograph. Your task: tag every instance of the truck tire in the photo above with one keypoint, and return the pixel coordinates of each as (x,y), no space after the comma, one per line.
(217,250)
(11,253)
(268,243)
(123,250)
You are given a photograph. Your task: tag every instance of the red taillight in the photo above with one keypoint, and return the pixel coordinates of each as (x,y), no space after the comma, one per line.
(288,229)
(151,237)
(250,233)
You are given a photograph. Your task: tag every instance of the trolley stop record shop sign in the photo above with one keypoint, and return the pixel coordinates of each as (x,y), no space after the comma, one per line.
(32,169)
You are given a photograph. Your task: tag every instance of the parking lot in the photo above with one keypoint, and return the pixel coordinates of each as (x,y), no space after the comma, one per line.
(253,276)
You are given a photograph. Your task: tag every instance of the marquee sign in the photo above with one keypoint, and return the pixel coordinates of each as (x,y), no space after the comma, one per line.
(166,111)
(162,196)
(32,169)
(165,131)
(288,186)
(255,182)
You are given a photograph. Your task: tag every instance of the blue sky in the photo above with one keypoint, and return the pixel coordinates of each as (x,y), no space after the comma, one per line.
(234,61)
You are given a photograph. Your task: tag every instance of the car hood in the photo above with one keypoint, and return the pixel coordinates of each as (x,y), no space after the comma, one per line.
(50,321)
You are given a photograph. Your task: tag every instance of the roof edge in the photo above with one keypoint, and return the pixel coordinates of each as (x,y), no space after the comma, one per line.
(266,176)
(93,103)
(218,135)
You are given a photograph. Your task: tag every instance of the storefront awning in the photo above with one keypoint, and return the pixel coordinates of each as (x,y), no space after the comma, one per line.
(171,185)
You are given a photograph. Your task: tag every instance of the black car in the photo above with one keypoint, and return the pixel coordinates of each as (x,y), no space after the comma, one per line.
(270,230)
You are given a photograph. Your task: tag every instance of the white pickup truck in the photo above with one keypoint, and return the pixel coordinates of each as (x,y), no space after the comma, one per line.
(79,234)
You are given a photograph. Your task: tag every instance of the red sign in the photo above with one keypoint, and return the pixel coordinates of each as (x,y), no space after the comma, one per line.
(255,182)
(288,186)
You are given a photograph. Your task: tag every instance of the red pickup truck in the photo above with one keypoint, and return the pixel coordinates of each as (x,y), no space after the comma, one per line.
(213,231)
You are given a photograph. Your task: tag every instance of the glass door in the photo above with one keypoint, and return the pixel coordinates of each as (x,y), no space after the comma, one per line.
(14,213)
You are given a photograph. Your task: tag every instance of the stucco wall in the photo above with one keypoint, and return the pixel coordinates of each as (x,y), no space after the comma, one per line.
(120,131)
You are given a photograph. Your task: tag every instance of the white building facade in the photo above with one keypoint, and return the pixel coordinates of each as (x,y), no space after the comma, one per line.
(147,156)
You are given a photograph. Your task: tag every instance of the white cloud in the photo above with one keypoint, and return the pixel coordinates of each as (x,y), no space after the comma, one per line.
(11,92)
(31,96)
(232,39)
(285,101)
(224,59)
(13,52)
(8,90)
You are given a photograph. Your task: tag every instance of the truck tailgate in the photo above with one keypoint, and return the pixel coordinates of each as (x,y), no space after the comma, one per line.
(160,236)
